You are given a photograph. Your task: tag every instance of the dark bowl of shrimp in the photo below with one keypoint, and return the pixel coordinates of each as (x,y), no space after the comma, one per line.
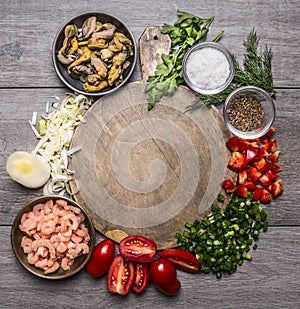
(53,237)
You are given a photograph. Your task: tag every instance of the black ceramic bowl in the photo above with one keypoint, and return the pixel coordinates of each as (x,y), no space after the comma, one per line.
(61,69)
(17,235)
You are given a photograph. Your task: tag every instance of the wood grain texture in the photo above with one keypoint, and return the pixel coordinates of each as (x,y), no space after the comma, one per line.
(147,173)
(28,81)
(28,52)
(270,280)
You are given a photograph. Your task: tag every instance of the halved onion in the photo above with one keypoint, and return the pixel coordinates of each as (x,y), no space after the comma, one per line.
(30,170)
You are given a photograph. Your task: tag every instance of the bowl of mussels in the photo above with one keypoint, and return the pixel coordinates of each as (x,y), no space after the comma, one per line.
(94,53)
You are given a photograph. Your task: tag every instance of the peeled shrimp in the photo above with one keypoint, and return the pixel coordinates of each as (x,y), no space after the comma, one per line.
(55,235)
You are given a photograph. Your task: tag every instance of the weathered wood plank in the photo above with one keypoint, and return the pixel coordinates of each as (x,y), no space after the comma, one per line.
(16,134)
(28,28)
(270,280)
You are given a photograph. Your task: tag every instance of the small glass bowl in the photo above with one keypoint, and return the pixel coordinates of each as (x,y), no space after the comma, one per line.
(267,105)
(190,81)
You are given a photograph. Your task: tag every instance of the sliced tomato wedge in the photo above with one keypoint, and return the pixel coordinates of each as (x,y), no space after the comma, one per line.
(120,276)
(141,277)
(182,260)
(138,248)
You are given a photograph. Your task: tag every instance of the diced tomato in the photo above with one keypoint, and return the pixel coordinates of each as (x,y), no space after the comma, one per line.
(271,175)
(265,197)
(242,177)
(233,143)
(265,181)
(273,157)
(257,193)
(241,191)
(277,188)
(237,162)
(250,186)
(251,153)
(260,165)
(182,260)
(253,174)
(228,186)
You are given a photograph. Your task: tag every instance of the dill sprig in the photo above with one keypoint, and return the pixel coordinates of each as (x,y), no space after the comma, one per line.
(256,71)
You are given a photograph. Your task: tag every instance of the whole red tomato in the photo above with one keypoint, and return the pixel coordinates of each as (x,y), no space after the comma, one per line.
(101,258)
(163,274)
(138,248)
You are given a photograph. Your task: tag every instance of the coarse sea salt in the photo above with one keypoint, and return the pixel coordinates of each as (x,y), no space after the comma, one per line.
(207,68)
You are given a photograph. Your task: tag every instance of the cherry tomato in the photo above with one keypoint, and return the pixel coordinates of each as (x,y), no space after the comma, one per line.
(172,289)
(183,260)
(101,258)
(163,274)
(137,248)
(141,277)
(120,276)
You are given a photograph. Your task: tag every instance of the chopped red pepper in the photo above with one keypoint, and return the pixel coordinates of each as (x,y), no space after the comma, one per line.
(250,186)
(257,193)
(260,165)
(273,157)
(253,174)
(254,143)
(271,175)
(277,188)
(233,143)
(265,197)
(251,153)
(242,177)
(228,186)
(265,181)
(237,162)
(241,191)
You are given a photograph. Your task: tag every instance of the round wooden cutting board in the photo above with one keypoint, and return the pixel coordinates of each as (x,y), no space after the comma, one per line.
(148,172)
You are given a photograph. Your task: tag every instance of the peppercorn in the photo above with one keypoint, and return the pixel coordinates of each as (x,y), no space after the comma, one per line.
(245,113)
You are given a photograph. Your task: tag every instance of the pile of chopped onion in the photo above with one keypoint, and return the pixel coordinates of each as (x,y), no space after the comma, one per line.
(55,133)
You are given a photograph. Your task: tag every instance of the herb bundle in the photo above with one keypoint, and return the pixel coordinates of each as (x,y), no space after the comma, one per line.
(256,71)
(187,31)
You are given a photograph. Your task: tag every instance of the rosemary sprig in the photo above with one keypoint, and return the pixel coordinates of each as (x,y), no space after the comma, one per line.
(256,71)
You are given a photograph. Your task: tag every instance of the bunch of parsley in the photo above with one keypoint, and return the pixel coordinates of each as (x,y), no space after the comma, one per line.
(187,31)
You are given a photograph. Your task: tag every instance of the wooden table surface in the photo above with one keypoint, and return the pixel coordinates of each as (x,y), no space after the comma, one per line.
(28,81)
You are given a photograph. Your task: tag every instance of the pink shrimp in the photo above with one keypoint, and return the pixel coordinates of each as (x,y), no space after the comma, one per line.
(52,269)
(65,263)
(61,247)
(56,235)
